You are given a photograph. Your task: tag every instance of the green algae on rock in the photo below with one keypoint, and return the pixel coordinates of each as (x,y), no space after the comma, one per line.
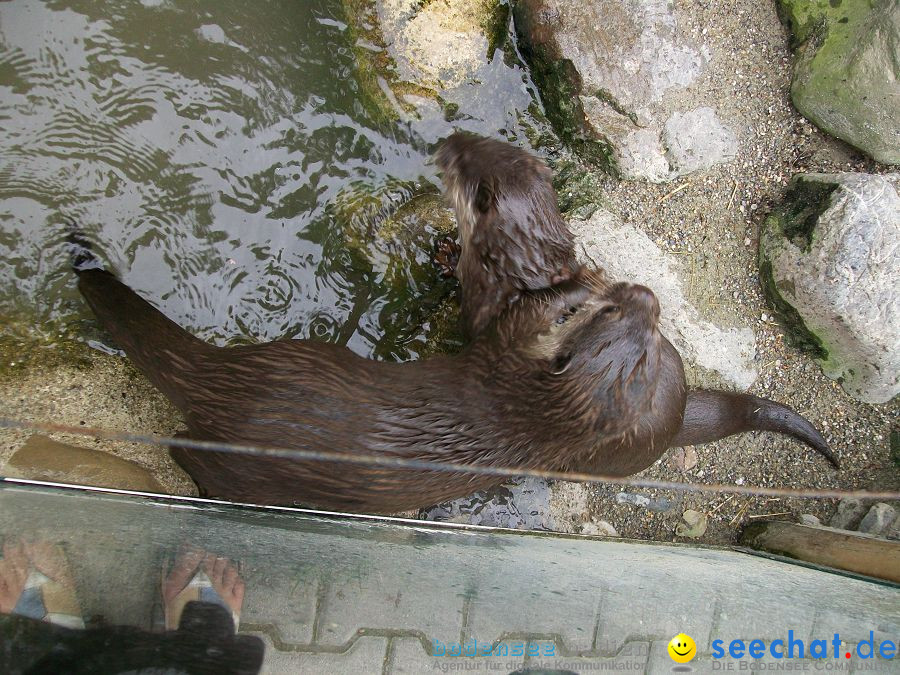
(847,72)
(24,347)
(560,86)
(410,52)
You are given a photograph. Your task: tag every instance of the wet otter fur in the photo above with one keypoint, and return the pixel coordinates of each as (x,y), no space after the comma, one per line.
(574,376)
(513,237)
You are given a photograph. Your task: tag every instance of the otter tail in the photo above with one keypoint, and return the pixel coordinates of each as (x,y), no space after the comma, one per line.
(711,415)
(159,347)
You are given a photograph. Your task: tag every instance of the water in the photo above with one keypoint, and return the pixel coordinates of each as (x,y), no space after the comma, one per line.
(216,153)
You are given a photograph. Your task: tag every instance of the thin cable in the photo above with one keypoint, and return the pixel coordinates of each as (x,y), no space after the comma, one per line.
(454,467)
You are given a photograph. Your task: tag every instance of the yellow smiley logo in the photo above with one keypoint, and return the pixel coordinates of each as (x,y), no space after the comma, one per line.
(682,648)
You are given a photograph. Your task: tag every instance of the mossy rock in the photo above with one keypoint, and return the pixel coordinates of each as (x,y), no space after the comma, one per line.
(794,220)
(827,267)
(23,348)
(847,75)
(373,62)
(560,87)
(390,79)
(391,234)
(418,310)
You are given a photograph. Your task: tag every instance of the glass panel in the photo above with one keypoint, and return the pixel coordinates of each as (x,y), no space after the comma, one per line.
(336,594)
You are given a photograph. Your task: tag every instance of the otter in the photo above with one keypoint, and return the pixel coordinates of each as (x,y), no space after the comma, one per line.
(566,371)
(513,236)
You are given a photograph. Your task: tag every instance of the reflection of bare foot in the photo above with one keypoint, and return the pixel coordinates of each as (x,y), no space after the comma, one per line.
(35,581)
(13,573)
(198,575)
(49,560)
(226,581)
(447,256)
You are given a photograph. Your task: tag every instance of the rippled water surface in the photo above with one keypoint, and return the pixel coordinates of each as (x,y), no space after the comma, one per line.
(223,158)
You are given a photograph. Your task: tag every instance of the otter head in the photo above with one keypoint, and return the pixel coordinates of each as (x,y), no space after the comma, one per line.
(601,342)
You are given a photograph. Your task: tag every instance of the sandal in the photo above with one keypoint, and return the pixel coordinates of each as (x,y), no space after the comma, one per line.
(200,576)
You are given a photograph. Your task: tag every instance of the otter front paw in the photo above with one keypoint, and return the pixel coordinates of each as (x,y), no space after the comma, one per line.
(447,256)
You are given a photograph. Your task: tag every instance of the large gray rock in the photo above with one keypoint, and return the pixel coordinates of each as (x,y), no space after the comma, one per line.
(437,45)
(828,259)
(849,512)
(696,140)
(615,77)
(847,74)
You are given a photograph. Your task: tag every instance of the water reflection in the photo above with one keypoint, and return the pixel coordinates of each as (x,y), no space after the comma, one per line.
(204,146)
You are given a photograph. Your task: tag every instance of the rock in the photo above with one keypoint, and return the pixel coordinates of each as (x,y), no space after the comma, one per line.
(893,530)
(627,253)
(693,525)
(849,513)
(643,501)
(42,458)
(878,520)
(684,459)
(599,528)
(396,230)
(697,140)
(615,78)
(569,505)
(438,44)
(847,72)
(828,263)
(809,519)
(419,58)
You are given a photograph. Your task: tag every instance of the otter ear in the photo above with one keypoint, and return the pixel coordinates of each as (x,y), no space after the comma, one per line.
(485,195)
(561,363)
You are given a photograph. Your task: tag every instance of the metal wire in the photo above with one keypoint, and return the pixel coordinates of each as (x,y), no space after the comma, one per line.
(443,466)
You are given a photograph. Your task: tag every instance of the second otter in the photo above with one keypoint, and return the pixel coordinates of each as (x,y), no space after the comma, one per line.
(572,377)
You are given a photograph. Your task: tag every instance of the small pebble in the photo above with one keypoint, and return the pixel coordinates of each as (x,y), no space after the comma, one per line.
(658,505)
(684,459)
(599,528)
(693,525)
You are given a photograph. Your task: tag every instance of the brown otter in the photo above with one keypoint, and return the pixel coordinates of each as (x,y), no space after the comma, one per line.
(513,236)
(572,377)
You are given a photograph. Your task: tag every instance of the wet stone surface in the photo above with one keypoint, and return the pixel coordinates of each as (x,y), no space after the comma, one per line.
(42,458)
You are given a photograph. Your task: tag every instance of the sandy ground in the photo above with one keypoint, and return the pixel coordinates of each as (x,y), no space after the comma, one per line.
(711,220)
(100,391)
